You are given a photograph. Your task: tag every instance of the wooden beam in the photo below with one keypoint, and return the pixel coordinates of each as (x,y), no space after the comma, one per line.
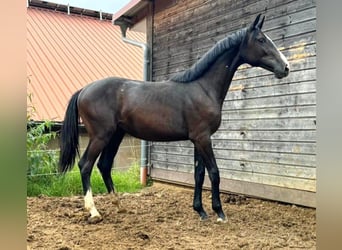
(287,195)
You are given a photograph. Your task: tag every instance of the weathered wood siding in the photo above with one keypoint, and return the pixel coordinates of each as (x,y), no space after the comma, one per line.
(268,129)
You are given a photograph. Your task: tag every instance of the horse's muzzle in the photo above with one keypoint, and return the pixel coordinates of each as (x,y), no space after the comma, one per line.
(282,73)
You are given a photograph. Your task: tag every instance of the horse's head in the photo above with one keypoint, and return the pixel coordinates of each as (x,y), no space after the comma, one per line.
(258,50)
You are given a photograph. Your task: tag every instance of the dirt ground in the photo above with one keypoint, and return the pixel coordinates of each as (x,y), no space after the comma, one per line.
(161,217)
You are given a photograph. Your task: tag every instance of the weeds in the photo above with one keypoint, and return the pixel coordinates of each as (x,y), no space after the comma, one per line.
(70,183)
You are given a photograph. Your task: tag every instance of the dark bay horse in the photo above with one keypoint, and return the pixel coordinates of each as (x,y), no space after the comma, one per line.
(185,107)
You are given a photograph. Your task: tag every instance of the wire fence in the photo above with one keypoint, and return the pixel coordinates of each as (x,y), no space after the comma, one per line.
(38,167)
(45,162)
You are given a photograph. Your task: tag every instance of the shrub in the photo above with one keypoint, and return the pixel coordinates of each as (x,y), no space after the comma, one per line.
(40,159)
(41,162)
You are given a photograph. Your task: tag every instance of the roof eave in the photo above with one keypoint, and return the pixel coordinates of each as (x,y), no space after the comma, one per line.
(134,11)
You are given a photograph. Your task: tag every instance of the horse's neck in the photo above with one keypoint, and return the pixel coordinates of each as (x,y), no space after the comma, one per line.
(217,79)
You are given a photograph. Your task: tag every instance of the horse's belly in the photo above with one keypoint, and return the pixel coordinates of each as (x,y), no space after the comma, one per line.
(155,135)
(155,127)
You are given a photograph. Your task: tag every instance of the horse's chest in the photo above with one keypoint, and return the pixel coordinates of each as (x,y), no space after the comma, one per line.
(209,119)
(214,121)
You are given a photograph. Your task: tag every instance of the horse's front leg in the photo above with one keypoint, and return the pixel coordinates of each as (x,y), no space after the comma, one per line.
(206,152)
(199,179)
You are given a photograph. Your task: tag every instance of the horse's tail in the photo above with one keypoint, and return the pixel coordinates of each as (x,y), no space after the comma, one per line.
(69,136)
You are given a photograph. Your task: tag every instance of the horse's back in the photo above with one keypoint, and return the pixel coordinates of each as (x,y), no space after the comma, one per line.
(100,88)
(147,110)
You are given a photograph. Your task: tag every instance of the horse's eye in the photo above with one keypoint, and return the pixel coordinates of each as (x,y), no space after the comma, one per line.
(261,40)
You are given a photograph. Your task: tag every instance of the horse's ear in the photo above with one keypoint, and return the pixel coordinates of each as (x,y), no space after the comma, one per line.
(261,22)
(255,23)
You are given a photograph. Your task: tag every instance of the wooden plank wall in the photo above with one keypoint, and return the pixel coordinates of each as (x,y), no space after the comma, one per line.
(268,129)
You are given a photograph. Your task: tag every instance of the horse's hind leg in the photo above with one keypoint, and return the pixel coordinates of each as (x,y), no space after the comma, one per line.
(107,157)
(106,161)
(86,164)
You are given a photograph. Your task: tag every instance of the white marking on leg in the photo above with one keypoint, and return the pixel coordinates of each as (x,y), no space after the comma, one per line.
(90,205)
(220,220)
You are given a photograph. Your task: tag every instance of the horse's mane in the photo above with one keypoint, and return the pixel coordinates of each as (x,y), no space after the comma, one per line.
(200,67)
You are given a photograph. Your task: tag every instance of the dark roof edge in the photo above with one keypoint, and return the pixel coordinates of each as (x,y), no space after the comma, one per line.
(70,10)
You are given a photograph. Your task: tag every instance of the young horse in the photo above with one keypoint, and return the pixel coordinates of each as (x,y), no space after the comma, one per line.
(186,107)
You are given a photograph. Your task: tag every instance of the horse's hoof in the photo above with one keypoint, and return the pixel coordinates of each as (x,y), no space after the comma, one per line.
(94,219)
(222,220)
(115,199)
(204,217)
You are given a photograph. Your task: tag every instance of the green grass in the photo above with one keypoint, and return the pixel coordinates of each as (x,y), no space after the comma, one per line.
(70,183)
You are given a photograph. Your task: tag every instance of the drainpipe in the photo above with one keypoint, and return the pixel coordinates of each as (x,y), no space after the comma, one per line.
(124,24)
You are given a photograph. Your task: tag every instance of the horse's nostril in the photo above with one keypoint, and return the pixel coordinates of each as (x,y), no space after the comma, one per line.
(287,69)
